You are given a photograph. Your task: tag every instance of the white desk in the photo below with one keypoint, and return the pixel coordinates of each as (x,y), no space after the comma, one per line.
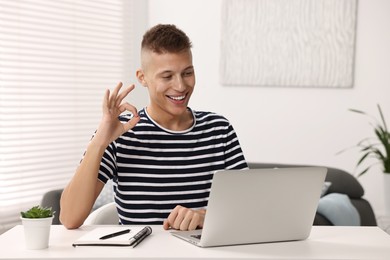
(323,243)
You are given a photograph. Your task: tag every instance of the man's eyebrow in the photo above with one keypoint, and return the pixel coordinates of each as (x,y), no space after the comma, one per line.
(164,72)
(170,71)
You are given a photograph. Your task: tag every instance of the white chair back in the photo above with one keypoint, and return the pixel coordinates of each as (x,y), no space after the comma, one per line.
(105,215)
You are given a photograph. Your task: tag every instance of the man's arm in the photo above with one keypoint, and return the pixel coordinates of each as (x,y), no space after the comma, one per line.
(80,194)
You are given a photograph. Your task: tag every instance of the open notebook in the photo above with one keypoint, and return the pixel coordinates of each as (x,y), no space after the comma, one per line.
(96,236)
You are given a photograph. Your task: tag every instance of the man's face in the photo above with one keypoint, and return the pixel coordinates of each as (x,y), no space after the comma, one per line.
(170,78)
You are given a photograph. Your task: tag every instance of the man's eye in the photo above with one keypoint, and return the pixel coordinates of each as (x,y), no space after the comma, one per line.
(167,77)
(188,73)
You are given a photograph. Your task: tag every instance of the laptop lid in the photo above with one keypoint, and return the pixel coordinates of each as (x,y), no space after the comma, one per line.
(261,205)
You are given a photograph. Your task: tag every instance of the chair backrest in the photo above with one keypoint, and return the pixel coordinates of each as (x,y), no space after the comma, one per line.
(52,199)
(105,215)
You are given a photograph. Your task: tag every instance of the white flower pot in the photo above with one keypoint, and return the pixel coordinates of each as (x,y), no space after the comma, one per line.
(386,191)
(37,232)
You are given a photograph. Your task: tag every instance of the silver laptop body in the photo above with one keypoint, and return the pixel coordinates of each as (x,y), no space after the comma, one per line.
(259,205)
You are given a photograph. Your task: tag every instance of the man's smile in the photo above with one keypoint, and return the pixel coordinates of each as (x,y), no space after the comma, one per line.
(177,98)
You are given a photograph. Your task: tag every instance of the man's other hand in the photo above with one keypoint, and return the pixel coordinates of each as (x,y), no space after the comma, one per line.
(182,218)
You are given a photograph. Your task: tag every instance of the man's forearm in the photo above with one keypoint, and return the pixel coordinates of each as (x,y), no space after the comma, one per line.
(80,194)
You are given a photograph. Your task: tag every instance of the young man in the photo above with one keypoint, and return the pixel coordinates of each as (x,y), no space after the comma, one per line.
(162,158)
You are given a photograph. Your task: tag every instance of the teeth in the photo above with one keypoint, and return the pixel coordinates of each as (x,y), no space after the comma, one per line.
(177,98)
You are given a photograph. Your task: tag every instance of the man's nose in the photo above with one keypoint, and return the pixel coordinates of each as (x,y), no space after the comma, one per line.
(179,84)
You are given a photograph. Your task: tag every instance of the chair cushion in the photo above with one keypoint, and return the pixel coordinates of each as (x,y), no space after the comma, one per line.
(338,208)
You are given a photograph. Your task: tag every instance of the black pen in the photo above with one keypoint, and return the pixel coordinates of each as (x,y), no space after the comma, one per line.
(146,231)
(115,234)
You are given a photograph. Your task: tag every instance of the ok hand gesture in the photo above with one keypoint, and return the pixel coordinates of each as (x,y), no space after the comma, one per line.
(110,127)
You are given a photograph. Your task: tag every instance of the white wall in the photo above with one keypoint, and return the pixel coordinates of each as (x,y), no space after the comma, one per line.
(292,125)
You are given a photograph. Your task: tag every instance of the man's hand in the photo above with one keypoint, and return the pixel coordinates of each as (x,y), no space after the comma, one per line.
(110,127)
(182,218)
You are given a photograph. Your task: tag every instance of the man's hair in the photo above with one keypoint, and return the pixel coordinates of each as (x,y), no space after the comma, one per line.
(165,38)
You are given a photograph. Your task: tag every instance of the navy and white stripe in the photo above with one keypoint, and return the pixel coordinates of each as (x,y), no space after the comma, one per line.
(154,169)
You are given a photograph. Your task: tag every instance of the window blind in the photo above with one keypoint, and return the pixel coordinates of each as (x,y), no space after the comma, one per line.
(56,60)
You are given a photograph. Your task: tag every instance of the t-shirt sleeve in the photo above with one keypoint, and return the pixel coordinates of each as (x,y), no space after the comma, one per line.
(234,157)
(108,166)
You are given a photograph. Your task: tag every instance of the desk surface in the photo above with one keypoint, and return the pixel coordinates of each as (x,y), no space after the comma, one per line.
(323,243)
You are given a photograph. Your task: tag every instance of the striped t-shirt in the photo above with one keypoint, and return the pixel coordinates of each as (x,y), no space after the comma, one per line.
(155,169)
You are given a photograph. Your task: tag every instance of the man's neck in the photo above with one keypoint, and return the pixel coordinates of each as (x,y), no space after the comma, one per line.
(172,122)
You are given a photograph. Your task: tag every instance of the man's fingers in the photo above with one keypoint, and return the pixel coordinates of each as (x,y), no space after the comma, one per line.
(183,218)
(114,94)
(166,225)
(195,221)
(185,223)
(131,123)
(123,94)
(134,120)
(169,222)
(128,107)
(114,99)
(179,218)
(106,99)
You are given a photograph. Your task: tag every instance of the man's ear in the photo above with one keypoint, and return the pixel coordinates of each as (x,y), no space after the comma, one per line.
(141,77)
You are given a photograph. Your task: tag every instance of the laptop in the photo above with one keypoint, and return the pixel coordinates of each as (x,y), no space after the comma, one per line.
(259,206)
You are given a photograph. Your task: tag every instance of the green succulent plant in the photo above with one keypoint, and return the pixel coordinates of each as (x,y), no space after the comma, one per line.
(38,212)
(378,147)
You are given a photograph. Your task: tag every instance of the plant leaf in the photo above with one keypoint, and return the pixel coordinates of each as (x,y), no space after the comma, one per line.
(382,117)
(357,111)
(378,147)
(38,212)
(363,158)
(364,171)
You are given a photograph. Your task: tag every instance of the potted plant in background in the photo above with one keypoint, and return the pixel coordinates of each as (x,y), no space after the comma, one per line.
(379,149)
(37,222)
